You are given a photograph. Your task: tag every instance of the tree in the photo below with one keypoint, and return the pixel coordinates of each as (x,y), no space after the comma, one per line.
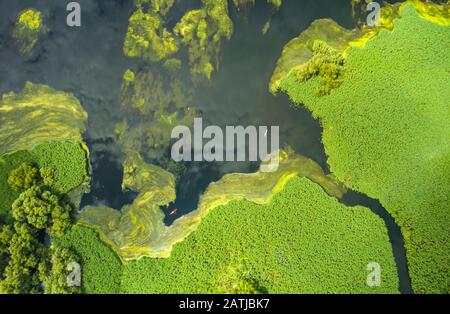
(48,176)
(30,267)
(327,64)
(25,254)
(54,271)
(42,209)
(147,38)
(23,177)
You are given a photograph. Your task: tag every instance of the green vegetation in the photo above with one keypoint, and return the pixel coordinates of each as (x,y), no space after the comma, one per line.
(9,191)
(304,241)
(276,3)
(64,164)
(25,261)
(22,255)
(247,3)
(386,131)
(63,167)
(138,230)
(157,6)
(41,127)
(29,27)
(42,158)
(147,38)
(305,51)
(202,31)
(327,64)
(42,209)
(101,268)
(53,271)
(23,177)
(39,114)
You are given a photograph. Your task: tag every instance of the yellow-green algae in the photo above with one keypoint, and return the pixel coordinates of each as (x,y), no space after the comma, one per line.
(386,130)
(42,126)
(29,27)
(299,51)
(135,227)
(152,92)
(138,229)
(39,114)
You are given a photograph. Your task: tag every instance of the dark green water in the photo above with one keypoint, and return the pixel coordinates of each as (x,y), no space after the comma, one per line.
(89,62)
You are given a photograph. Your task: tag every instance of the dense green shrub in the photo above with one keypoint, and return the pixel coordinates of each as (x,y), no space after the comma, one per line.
(63,167)
(7,193)
(43,210)
(25,262)
(28,266)
(386,134)
(24,254)
(67,161)
(303,242)
(100,267)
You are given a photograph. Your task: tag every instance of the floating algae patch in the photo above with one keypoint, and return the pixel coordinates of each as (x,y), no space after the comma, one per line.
(138,230)
(301,241)
(43,127)
(39,114)
(133,229)
(386,131)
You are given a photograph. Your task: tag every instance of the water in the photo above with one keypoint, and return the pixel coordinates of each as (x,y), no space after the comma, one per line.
(89,62)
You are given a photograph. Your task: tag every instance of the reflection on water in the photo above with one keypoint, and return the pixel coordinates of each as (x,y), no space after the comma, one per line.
(107,177)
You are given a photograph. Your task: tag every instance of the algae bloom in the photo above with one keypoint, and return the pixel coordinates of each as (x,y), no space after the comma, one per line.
(28,29)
